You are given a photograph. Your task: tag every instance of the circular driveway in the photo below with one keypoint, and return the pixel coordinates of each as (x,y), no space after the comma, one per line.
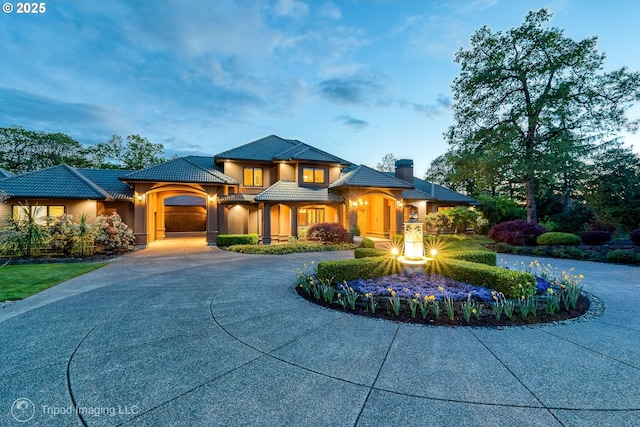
(183,334)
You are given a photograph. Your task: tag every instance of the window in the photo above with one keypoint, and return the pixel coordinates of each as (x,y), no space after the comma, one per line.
(310,216)
(314,175)
(252,177)
(39,212)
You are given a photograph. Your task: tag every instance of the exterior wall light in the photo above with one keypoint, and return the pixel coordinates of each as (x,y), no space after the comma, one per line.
(354,204)
(211,198)
(140,197)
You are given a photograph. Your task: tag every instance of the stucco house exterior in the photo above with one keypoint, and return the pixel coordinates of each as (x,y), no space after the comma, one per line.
(274,187)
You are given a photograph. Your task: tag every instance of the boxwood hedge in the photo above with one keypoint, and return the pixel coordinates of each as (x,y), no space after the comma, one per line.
(557,238)
(237,239)
(482,257)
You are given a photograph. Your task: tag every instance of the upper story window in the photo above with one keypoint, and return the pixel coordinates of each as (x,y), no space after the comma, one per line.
(313,175)
(252,177)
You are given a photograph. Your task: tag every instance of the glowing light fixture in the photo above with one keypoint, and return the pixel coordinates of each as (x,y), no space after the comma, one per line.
(433,252)
(211,198)
(140,197)
(394,251)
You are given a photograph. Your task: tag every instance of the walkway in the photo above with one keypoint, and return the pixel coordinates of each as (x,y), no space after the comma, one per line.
(190,335)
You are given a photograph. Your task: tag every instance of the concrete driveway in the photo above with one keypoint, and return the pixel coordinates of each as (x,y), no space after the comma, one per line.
(182,334)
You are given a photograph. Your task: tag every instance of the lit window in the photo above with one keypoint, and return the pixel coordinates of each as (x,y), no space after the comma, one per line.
(314,175)
(252,177)
(310,216)
(39,213)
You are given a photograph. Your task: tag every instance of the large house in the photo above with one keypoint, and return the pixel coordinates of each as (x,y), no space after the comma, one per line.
(274,187)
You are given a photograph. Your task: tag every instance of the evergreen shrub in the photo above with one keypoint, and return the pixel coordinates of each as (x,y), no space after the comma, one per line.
(237,239)
(557,238)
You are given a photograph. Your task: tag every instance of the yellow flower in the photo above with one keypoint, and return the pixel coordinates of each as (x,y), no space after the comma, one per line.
(393,293)
(550,291)
(440,288)
(417,295)
(473,311)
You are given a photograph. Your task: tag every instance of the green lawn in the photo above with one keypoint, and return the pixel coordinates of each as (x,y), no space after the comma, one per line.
(21,281)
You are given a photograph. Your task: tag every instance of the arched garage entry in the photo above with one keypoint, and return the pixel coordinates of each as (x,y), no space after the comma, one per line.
(185,213)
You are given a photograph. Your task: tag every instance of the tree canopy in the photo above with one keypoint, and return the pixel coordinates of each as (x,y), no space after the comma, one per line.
(387,164)
(530,103)
(23,150)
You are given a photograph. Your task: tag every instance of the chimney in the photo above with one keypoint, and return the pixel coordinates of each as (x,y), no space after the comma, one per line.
(404,170)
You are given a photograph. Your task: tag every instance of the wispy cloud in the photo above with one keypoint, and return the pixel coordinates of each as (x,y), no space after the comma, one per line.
(441,104)
(362,87)
(291,8)
(352,122)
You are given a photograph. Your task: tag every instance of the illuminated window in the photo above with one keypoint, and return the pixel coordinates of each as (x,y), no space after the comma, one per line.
(310,216)
(252,177)
(40,213)
(313,175)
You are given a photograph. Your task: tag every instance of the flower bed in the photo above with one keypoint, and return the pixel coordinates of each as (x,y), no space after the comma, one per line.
(433,299)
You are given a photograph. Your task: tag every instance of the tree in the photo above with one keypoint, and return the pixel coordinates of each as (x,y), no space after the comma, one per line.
(136,152)
(387,164)
(521,91)
(613,189)
(23,150)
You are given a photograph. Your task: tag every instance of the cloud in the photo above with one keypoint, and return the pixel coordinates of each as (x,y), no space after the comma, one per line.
(362,87)
(441,104)
(352,122)
(330,10)
(406,24)
(292,8)
(89,123)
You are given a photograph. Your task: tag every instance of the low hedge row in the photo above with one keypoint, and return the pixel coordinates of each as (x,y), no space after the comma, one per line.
(368,243)
(369,252)
(502,280)
(482,257)
(237,239)
(360,268)
(289,248)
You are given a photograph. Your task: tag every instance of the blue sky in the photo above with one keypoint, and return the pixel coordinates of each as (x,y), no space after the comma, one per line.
(356,78)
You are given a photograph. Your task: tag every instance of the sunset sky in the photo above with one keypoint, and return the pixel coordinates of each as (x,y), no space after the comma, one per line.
(358,79)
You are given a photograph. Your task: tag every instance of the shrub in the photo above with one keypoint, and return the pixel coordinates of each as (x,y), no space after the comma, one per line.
(517,233)
(503,248)
(25,234)
(361,268)
(369,253)
(481,257)
(635,236)
(625,256)
(557,238)
(368,243)
(112,233)
(596,237)
(511,283)
(237,239)
(327,232)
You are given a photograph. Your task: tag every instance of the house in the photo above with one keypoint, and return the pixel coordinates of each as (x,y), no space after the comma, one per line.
(274,187)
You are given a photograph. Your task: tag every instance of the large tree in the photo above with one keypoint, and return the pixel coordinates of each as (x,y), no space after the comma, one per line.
(387,164)
(136,152)
(524,91)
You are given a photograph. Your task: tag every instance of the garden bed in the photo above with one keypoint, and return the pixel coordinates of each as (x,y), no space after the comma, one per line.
(423,299)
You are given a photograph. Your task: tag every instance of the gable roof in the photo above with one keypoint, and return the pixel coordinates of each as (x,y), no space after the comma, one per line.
(192,169)
(364,176)
(273,148)
(289,191)
(6,174)
(56,182)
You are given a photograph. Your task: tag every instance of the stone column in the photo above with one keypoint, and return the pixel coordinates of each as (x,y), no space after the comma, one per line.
(266,224)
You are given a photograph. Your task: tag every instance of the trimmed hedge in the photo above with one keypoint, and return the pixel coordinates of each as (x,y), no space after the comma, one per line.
(237,239)
(557,238)
(360,268)
(369,253)
(368,243)
(289,248)
(500,279)
(481,257)
(596,237)
(624,256)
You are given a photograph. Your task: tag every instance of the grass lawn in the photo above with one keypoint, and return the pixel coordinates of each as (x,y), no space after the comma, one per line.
(21,281)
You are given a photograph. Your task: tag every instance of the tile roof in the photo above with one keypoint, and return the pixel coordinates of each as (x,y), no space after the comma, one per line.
(289,191)
(442,194)
(108,180)
(364,176)
(6,174)
(190,169)
(273,148)
(237,198)
(416,195)
(56,182)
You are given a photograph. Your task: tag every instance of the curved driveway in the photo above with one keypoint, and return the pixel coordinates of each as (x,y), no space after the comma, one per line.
(181,334)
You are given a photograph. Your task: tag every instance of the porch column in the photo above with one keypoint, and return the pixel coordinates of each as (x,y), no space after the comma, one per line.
(266,224)
(294,221)
(399,217)
(353,215)
(212,220)
(140,230)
